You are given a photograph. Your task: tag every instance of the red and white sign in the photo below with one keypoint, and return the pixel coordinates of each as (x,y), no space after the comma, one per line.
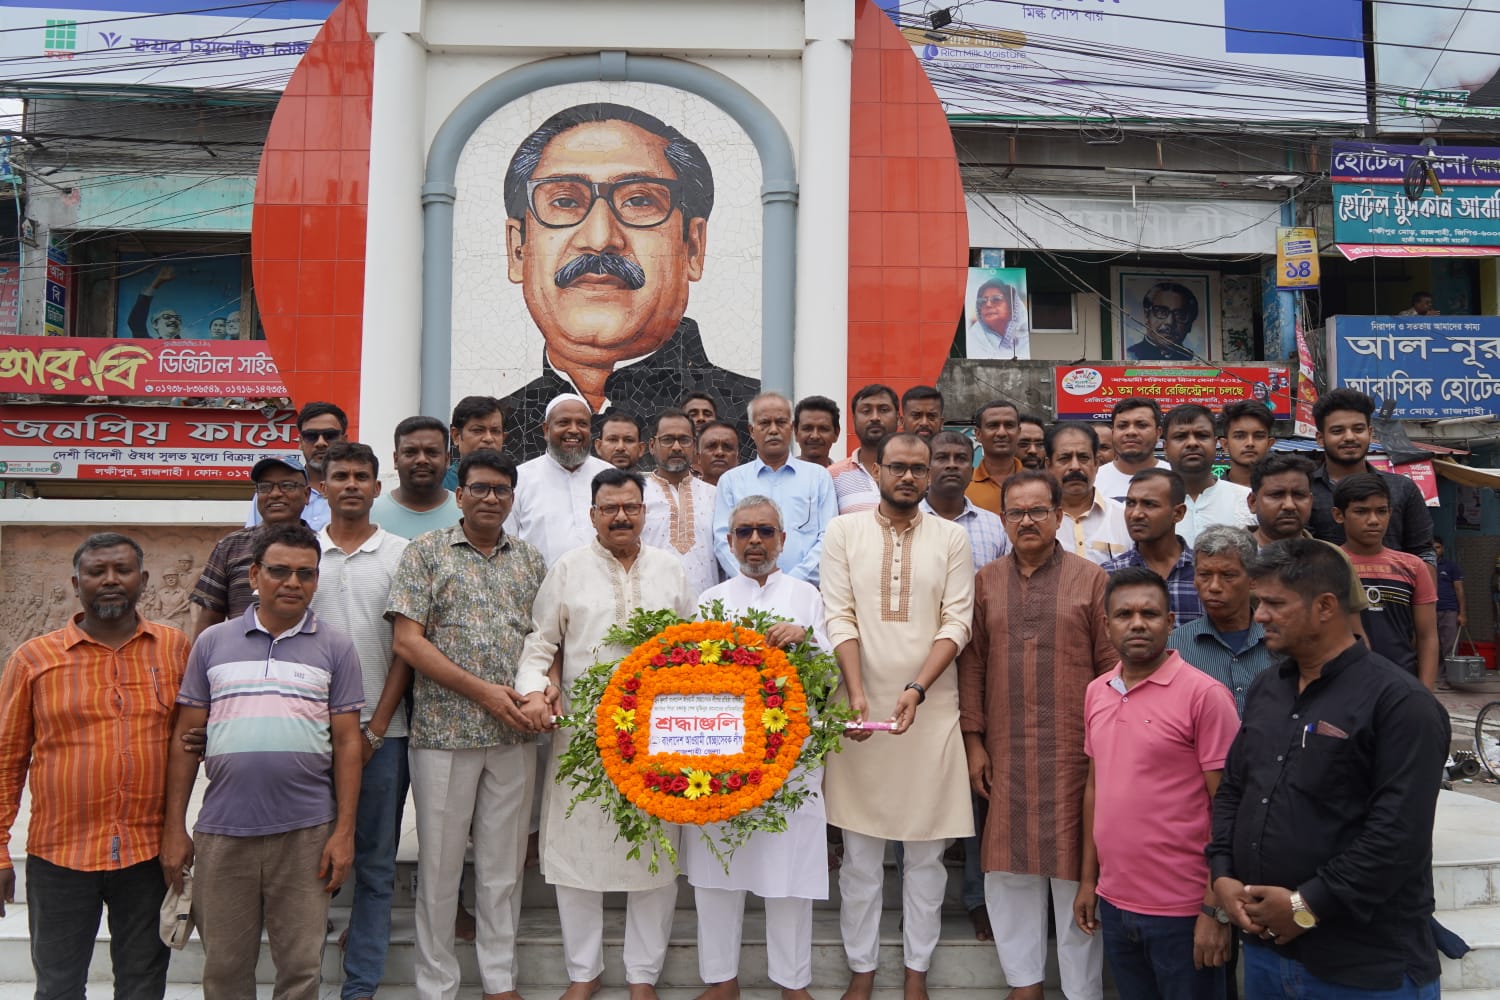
(106,366)
(1421,472)
(142,444)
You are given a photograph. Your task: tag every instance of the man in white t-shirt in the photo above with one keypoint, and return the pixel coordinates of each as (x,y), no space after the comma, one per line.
(1135,424)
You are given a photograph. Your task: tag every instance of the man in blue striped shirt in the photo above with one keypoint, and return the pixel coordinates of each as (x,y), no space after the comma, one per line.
(1226,643)
(1155,505)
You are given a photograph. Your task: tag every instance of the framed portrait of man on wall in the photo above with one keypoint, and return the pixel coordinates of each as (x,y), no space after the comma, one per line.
(1166,315)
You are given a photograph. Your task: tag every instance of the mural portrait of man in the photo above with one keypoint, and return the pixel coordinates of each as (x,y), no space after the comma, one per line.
(607,223)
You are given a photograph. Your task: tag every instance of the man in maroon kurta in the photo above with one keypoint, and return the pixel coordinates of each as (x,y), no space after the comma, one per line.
(1038,639)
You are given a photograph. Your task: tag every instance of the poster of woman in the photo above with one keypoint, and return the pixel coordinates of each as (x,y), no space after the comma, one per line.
(995,314)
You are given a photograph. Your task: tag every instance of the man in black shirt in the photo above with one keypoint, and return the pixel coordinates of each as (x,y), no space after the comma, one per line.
(1344,433)
(1322,826)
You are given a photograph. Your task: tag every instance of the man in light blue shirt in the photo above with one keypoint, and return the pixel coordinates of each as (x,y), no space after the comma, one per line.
(803,491)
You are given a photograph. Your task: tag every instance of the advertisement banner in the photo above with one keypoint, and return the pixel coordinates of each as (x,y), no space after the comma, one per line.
(1370,205)
(140,443)
(1087,392)
(1242,61)
(158,43)
(1307,388)
(1297,257)
(10,297)
(103,366)
(1430,366)
(1422,473)
(1435,67)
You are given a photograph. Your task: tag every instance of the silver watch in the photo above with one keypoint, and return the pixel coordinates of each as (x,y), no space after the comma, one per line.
(376,742)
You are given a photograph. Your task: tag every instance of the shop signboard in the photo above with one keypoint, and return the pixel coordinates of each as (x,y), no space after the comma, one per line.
(1431,367)
(1296,257)
(140,444)
(105,366)
(157,43)
(1088,392)
(1240,61)
(1371,207)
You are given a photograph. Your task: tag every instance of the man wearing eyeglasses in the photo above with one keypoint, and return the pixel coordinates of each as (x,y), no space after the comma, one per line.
(319,425)
(1039,639)
(460,607)
(586,592)
(224,590)
(898,585)
(1170,310)
(608,224)
(280,694)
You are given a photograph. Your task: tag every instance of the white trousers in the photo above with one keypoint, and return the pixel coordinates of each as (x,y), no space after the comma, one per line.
(648,930)
(721,918)
(489,789)
(861,881)
(1018,915)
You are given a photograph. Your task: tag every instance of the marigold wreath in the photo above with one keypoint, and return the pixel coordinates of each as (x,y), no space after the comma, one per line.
(785,729)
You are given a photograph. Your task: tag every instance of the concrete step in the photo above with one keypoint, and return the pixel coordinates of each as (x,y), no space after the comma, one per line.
(960,963)
(330,991)
(1466,852)
(1480,968)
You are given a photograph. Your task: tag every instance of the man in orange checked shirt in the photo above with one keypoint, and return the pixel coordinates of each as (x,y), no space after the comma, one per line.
(89,709)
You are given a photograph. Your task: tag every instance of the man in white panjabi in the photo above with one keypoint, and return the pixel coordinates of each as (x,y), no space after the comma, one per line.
(585,592)
(788,870)
(679,505)
(899,590)
(551,511)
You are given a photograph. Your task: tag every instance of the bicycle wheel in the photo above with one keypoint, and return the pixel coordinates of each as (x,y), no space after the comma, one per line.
(1487,738)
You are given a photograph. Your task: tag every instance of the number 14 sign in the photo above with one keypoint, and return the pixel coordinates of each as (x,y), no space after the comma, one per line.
(1296,257)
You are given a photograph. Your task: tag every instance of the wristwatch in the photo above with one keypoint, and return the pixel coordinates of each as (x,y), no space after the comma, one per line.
(376,742)
(1217,912)
(1301,915)
(921,691)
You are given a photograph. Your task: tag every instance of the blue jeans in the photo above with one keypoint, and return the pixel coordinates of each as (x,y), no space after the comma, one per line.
(64,906)
(377,831)
(1268,976)
(1151,957)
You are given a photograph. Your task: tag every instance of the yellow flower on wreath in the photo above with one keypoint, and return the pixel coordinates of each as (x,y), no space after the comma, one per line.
(708,651)
(774,720)
(700,783)
(624,720)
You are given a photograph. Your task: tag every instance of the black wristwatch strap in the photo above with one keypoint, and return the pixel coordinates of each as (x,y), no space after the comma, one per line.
(921,691)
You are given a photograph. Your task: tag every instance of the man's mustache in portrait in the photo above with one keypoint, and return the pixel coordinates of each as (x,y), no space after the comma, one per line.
(631,274)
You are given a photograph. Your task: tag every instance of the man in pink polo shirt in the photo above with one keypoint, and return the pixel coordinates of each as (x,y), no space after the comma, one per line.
(1156,732)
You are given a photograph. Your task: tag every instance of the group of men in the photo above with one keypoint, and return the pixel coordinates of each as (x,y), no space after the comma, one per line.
(1109,728)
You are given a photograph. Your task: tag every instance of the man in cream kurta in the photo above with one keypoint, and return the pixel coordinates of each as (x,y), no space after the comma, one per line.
(585,592)
(680,506)
(551,509)
(899,590)
(788,870)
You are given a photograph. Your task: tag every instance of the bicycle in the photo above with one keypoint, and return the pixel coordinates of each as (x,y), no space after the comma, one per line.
(1487,738)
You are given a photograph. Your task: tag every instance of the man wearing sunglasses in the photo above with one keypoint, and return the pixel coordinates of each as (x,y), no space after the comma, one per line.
(319,425)
(224,589)
(586,592)
(280,694)
(608,224)
(788,870)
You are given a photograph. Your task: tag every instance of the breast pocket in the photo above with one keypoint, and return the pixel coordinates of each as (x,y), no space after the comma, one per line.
(800,513)
(1329,769)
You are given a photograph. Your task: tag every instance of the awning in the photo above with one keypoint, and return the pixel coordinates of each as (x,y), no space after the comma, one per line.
(1467,475)
(1359,251)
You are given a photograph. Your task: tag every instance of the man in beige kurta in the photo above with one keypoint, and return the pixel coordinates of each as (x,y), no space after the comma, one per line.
(1039,639)
(898,589)
(585,592)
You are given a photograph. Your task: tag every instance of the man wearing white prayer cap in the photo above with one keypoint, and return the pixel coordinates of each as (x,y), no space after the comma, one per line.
(552,490)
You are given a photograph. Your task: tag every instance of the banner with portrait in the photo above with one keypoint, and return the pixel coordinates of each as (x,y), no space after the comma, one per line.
(607,241)
(188,296)
(997,321)
(1166,315)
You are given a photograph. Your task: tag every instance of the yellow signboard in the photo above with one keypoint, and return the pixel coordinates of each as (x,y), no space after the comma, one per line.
(1296,257)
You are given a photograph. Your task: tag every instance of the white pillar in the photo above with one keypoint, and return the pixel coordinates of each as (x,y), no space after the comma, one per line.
(389,381)
(820,360)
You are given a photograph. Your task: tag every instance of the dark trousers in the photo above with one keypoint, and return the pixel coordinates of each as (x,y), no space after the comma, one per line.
(1151,957)
(63,907)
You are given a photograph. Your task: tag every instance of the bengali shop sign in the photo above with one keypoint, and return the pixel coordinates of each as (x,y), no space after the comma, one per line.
(1429,366)
(1371,207)
(105,366)
(140,444)
(1088,392)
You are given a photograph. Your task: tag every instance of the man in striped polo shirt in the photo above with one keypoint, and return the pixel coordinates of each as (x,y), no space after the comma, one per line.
(281,697)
